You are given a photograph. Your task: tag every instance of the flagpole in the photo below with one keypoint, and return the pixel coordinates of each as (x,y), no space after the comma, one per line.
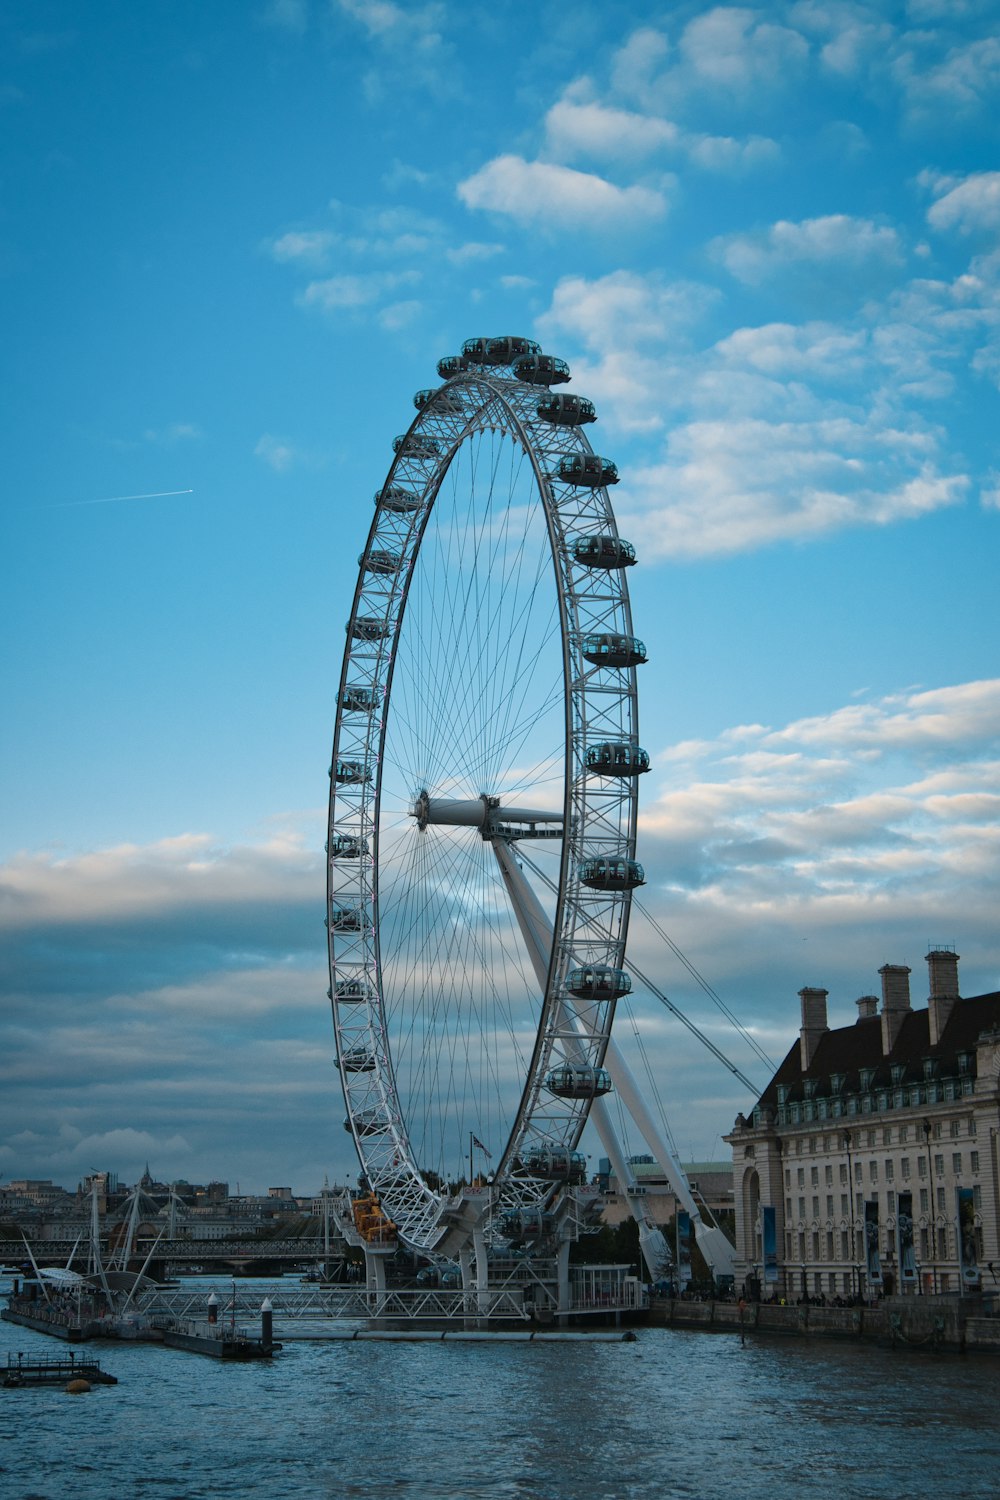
(471,1139)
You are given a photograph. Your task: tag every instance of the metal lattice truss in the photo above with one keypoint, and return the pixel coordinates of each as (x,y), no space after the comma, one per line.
(459,430)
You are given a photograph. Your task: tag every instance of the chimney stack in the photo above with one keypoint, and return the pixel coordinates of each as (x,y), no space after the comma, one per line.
(867,1007)
(895,1003)
(814,1024)
(943,965)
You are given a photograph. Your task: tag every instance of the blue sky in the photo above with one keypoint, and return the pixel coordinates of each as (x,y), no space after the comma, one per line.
(234,239)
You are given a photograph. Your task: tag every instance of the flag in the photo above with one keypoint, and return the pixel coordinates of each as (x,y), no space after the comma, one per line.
(477,1142)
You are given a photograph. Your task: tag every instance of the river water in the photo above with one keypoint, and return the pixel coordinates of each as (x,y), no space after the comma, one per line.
(675,1414)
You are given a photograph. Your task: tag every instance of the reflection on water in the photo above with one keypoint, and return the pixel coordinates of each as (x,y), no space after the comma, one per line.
(673,1415)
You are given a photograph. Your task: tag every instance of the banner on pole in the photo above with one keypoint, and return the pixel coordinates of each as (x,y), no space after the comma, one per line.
(904,1240)
(968,1251)
(769,1243)
(873,1265)
(683,1248)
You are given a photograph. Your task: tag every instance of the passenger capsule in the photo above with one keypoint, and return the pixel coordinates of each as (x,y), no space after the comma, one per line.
(611,872)
(606,552)
(617,758)
(598,983)
(566,411)
(444,401)
(416,445)
(380,562)
(401,502)
(578,1081)
(368,1123)
(588,470)
(451,365)
(351,772)
(366,628)
(503,351)
(541,369)
(351,991)
(555,1164)
(609,650)
(347,846)
(347,919)
(357,1060)
(358,698)
(527,1224)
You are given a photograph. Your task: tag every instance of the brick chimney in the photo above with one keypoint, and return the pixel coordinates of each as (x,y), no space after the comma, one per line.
(867,1007)
(814,1023)
(895,1003)
(943,966)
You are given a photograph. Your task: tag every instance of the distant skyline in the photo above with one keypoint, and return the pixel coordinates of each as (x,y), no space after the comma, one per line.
(234,241)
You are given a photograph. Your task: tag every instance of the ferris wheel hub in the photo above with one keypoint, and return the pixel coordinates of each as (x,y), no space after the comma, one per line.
(494,819)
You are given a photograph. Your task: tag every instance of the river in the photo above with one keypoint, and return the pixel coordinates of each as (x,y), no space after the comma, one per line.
(673,1415)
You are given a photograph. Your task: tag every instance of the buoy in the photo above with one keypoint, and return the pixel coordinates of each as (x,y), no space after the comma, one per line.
(77,1387)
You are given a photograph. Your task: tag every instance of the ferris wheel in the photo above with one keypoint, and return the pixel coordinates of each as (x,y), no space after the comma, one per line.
(483,803)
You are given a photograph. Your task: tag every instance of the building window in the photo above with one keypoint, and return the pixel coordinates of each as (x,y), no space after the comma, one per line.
(940,1200)
(843,1171)
(871,1137)
(974,1161)
(873,1171)
(788,1209)
(887,1136)
(972,1127)
(857,1171)
(829,1205)
(956,1163)
(802,1208)
(936,1132)
(890,1203)
(977,1196)
(812,1145)
(925,1201)
(956,1129)
(814,1177)
(802,1177)
(939,1165)
(843,1204)
(921,1166)
(815,1247)
(815,1203)
(788,1177)
(828,1176)
(904,1168)
(904,1134)
(889,1169)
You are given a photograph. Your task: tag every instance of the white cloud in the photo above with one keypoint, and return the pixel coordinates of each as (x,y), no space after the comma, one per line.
(624,309)
(544,193)
(731,48)
(472,251)
(310,246)
(347,293)
(275,452)
(399,314)
(287,15)
(732,485)
(970,205)
(131,880)
(837,241)
(595,130)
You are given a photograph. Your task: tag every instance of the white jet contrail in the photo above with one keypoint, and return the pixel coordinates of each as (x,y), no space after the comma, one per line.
(111,499)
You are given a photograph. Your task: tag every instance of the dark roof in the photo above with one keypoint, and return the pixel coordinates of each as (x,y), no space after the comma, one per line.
(848,1049)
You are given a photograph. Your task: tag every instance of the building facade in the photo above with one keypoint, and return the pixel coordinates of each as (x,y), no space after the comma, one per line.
(869,1165)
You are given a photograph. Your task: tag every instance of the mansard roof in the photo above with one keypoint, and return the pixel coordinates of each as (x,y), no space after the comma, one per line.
(847,1050)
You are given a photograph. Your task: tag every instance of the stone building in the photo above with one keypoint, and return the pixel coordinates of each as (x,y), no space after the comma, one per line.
(870,1162)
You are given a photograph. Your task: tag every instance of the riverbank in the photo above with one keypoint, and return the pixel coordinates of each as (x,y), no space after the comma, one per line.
(958,1324)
